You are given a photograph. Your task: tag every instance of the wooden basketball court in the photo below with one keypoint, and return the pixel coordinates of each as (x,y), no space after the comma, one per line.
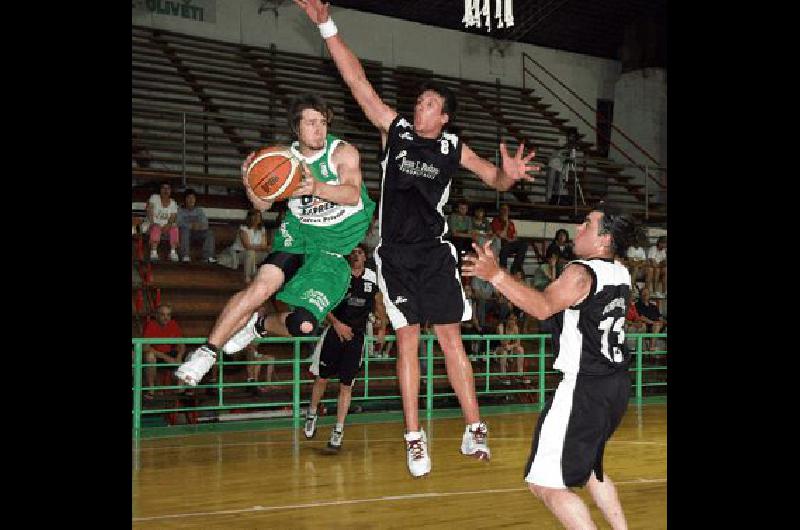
(278,479)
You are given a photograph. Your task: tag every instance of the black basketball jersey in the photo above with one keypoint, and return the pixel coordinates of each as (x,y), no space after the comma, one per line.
(416,184)
(589,337)
(356,306)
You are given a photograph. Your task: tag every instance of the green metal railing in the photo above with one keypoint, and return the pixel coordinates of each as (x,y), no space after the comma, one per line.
(488,377)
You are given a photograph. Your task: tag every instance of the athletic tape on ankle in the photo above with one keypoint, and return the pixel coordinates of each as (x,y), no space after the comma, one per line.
(327,29)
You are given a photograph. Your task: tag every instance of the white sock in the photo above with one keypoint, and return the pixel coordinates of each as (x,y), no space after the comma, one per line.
(413,435)
(310,413)
(473,426)
(339,427)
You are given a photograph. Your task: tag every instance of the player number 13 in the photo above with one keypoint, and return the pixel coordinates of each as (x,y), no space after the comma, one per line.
(613,337)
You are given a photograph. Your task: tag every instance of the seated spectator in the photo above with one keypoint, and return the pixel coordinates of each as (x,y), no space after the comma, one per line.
(371,240)
(634,323)
(162,213)
(558,254)
(193,226)
(657,267)
(511,347)
(482,292)
(636,260)
(482,230)
(503,227)
(164,326)
(460,225)
(472,326)
(542,276)
(252,242)
(650,315)
(556,189)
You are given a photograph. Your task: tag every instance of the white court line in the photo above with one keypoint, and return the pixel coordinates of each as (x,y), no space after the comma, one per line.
(354,441)
(361,501)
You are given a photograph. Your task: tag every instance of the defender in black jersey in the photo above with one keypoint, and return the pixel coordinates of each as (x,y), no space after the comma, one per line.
(588,302)
(417,269)
(340,350)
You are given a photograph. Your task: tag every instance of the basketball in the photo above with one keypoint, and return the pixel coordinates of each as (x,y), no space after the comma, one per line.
(274,173)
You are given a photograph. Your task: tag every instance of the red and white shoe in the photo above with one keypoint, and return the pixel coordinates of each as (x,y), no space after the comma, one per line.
(474,441)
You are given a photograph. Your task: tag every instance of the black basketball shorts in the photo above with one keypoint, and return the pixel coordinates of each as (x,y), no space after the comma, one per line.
(334,357)
(574,427)
(420,284)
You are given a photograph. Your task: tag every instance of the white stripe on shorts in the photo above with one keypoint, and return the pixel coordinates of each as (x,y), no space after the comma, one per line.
(314,368)
(546,468)
(467,314)
(396,317)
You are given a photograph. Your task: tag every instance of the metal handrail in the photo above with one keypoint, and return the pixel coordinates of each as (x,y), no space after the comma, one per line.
(642,167)
(428,357)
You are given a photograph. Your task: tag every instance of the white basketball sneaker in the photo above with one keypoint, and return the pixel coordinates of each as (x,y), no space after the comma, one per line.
(335,443)
(196,366)
(310,428)
(243,337)
(474,441)
(419,463)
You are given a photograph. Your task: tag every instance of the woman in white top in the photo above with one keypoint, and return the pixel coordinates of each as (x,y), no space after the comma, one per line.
(253,241)
(162,213)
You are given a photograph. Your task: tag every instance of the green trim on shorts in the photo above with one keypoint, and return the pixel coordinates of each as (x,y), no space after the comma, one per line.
(319,285)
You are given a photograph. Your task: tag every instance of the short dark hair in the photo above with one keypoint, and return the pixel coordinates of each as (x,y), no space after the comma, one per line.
(450,102)
(189,191)
(560,231)
(621,227)
(307,101)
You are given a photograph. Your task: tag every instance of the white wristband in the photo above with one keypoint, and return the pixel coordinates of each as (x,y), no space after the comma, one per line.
(327,29)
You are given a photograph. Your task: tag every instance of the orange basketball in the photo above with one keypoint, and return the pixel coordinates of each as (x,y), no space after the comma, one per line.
(274,173)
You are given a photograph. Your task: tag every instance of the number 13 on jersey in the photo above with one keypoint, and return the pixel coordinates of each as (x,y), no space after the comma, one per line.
(613,338)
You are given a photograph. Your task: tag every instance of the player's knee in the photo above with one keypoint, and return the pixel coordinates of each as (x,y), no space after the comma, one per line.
(540,492)
(301,323)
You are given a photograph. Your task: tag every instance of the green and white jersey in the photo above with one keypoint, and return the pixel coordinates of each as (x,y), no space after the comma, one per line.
(313,224)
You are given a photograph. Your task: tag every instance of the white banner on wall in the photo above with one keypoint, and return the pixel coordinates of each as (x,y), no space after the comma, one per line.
(199,10)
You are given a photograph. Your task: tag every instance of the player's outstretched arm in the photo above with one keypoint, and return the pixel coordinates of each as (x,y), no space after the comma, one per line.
(514,168)
(347,162)
(380,114)
(569,289)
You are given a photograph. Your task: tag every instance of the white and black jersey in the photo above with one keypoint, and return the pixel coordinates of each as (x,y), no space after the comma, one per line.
(417,173)
(356,306)
(589,336)
(591,399)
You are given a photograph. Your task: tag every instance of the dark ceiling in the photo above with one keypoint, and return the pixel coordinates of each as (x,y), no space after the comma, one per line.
(592,27)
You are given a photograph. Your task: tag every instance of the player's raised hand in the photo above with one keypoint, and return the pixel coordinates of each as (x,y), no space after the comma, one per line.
(315,9)
(483,265)
(516,167)
(308,184)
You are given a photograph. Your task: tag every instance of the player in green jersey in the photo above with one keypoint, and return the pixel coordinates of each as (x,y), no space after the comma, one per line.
(327,216)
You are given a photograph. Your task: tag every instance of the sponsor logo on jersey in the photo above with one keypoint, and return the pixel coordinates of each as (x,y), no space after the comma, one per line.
(401,154)
(400,299)
(406,136)
(317,298)
(417,168)
(287,237)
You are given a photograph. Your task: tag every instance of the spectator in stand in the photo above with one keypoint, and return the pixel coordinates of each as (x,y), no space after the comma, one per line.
(193,226)
(253,243)
(636,261)
(460,225)
(511,347)
(482,230)
(371,240)
(164,326)
(483,293)
(162,214)
(657,267)
(650,315)
(472,326)
(558,254)
(503,227)
(633,323)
